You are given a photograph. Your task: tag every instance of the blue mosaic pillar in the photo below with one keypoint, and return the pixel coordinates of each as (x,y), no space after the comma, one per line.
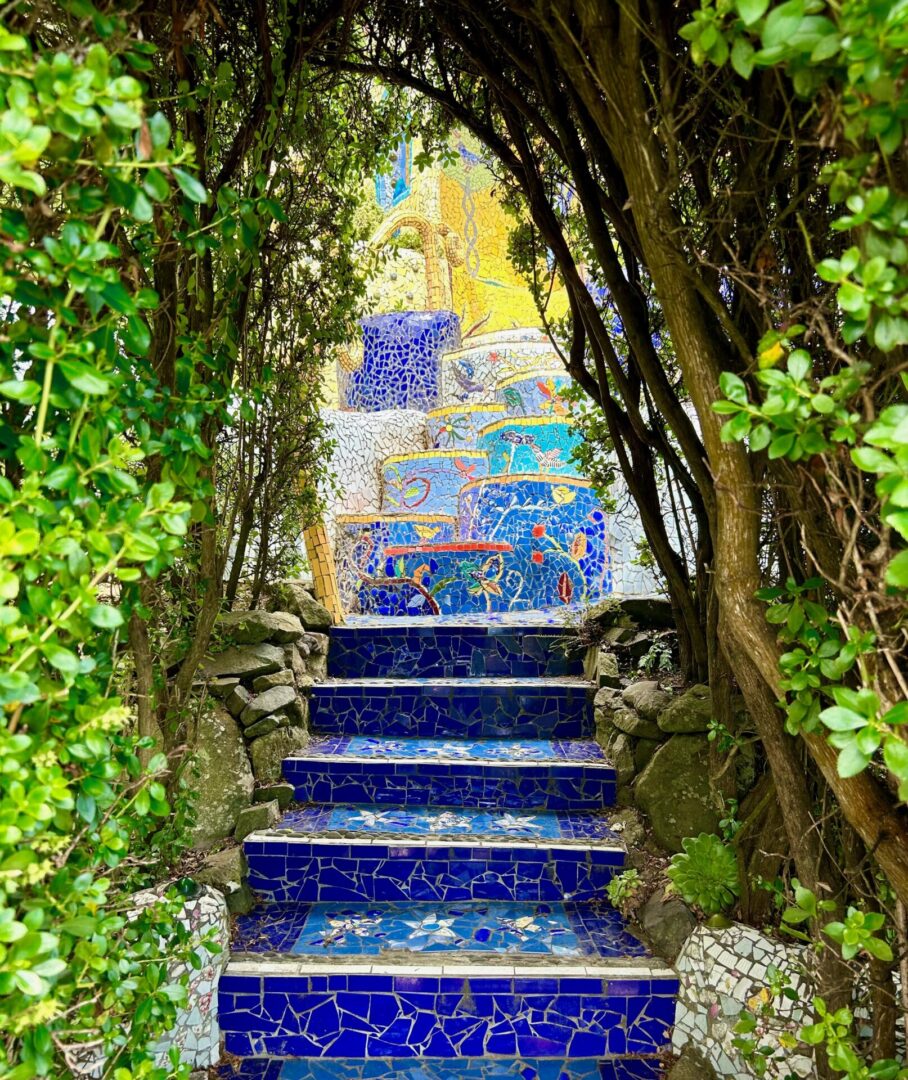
(401,366)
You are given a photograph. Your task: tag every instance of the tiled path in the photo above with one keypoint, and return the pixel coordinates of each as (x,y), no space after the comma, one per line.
(440,895)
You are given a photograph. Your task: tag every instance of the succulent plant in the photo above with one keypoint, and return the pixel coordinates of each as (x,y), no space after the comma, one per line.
(705,873)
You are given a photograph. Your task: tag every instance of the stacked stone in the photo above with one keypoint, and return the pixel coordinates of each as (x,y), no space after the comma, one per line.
(658,744)
(257,712)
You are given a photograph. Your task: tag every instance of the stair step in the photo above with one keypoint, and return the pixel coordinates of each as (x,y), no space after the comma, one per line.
(461,707)
(552,774)
(374,853)
(525,644)
(497,1068)
(442,980)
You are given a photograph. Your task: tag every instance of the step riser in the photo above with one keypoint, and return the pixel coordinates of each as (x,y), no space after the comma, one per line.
(445,1069)
(461,712)
(426,783)
(315,872)
(414,1016)
(447,652)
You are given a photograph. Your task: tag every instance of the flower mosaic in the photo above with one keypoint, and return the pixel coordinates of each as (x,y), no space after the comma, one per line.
(461,821)
(500,928)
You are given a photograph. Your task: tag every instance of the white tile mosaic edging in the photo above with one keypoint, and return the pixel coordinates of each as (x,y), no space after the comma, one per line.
(196,1032)
(724,972)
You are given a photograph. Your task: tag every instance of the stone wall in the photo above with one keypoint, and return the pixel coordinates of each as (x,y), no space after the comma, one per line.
(256,710)
(657,740)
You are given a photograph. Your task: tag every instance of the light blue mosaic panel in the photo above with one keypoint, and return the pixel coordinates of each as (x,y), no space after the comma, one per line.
(430,482)
(453,427)
(472,373)
(531,445)
(557,531)
(401,361)
(369,930)
(535,394)
(465,821)
(470,929)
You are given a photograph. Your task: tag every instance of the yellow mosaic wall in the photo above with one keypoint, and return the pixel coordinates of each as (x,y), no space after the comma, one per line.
(462,262)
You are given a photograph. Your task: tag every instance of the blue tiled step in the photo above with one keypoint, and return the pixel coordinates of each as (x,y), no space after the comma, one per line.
(503,773)
(416,854)
(524,644)
(460,707)
(361,980)
(441,1069)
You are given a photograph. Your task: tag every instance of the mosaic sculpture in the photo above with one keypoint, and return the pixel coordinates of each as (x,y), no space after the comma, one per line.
(492,515)
(459,492)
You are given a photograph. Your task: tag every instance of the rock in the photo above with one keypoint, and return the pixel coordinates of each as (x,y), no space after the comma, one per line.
(666,923)
(621,755)
(222,868)
(632,723)
(292,596)
(646,698)
(269,751)
(608,697)
(688,714)
(607,669)
(309,657)
(237,700)
(226,870)
(643,752)
(266,725)
(282,793)
(261,815)
(691,1065)
(628,824)
(274,700)
(647,612)
(221,688)
(223,780)
(276,678)
(246,661)
(251,627)
(675,793)
(297,712)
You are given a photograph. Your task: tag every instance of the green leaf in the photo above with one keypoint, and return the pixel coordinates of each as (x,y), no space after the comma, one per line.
(751,10)
(87,379)
(62,659)
(25,390)
(190,187)
(105,617)
(895,754)
(851,761)
(159,129)
(742,58)
(897,571)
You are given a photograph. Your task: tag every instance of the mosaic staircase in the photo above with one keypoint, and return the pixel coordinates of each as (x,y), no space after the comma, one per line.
(436,907)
